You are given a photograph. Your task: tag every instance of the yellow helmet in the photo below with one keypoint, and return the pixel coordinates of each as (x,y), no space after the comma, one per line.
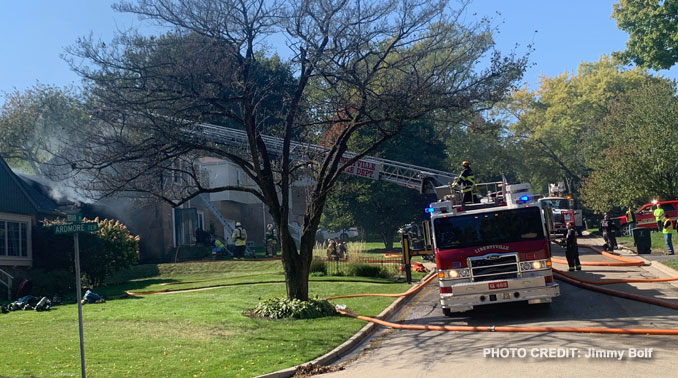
(464,162)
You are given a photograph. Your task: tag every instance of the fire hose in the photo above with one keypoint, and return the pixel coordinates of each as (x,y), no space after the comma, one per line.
(623,261)
(560,276)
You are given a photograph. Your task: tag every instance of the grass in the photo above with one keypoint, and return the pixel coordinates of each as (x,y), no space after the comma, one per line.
(199,334)
(657,246)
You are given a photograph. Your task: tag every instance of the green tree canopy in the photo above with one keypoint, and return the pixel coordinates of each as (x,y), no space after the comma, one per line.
(557,125)
(35,123)
(357,65)
(653,32)
(640,162)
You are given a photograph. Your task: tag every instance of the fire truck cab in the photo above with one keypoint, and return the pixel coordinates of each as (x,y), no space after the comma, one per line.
(562,209)
(493,251)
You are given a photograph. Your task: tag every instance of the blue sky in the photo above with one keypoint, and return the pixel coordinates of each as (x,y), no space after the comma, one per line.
(563,34)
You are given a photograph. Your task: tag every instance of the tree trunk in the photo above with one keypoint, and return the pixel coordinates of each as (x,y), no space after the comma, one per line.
(387,237)
(296,264)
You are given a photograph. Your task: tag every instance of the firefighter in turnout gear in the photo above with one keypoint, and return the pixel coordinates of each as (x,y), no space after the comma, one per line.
(271,240)
(466,183)
(240,240)
(571,248)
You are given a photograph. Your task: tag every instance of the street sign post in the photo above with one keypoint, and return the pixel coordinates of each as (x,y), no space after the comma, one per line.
(75,227)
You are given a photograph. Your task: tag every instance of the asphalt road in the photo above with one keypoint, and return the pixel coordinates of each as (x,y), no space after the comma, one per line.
(403,353)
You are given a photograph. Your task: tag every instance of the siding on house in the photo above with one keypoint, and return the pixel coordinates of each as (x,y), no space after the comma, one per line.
(14,197)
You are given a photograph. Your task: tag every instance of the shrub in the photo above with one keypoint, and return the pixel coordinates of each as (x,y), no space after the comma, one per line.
(279,308)
(368,270)
(52,282)
(102,253)
(318,266)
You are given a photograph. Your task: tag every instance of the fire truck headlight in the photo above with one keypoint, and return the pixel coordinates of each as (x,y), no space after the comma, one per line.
(537,265)
(525,266)
(455,273)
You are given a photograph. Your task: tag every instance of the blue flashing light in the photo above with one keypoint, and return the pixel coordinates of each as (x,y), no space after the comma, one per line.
(430,210)
(524,198)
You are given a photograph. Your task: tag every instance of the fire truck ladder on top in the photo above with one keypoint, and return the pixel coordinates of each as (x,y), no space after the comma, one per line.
(407,175)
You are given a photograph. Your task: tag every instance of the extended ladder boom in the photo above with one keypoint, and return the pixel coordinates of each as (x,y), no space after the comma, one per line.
(407,175)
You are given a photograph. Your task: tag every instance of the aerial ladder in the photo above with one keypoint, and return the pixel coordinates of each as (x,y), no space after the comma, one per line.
(424,179)
(403,174)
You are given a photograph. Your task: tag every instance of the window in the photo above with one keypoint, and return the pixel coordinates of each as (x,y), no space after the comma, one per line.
(13,238)
(488,228)
(555,203)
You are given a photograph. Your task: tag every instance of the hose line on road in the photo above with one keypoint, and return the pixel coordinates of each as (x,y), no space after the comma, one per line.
(578,282)
(422,327)
(623,261)
(610,282)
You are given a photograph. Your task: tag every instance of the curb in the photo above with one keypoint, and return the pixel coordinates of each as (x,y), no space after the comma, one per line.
(655,264)
(349,344)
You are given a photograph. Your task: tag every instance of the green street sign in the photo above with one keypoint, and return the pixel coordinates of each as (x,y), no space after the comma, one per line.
(61,229)
(74,218)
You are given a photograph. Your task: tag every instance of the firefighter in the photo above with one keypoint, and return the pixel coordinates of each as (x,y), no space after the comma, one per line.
(416,240)
(332,250)
(571,248)
(218,248)
(240,240)
(667,230)
(630,219)
(271,240)
(609,230)
(342,250)
(658,216)
(466,183)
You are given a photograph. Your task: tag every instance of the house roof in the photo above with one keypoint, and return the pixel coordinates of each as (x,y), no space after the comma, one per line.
(39,193)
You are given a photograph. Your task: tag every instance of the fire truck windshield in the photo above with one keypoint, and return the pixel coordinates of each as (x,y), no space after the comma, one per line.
(555,203)
(504,226)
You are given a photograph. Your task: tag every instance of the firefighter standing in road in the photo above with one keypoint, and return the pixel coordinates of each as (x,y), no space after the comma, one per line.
(571,248)
(467,183)
(271,240)
(659,216)
(630,219)
(667,230)
(608,228)
(240,240)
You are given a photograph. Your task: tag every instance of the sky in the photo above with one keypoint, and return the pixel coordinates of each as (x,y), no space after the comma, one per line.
(562,33)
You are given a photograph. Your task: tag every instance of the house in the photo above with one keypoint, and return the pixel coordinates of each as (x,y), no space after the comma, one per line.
(22,206)
(218,212)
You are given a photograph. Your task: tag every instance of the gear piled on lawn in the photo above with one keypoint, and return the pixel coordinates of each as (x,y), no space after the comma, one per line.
(28,302)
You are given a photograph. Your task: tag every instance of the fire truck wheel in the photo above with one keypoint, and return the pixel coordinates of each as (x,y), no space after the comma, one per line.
(447,312)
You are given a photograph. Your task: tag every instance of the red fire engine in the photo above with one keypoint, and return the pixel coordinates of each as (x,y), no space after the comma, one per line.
(493,251)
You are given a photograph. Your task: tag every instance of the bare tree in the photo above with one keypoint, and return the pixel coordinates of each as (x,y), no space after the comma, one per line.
(356,68)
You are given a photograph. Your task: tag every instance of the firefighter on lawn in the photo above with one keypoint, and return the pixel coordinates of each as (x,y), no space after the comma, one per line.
(271,240)
(240,240)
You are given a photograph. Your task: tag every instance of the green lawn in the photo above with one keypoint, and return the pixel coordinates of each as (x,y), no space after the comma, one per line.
(200,333)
